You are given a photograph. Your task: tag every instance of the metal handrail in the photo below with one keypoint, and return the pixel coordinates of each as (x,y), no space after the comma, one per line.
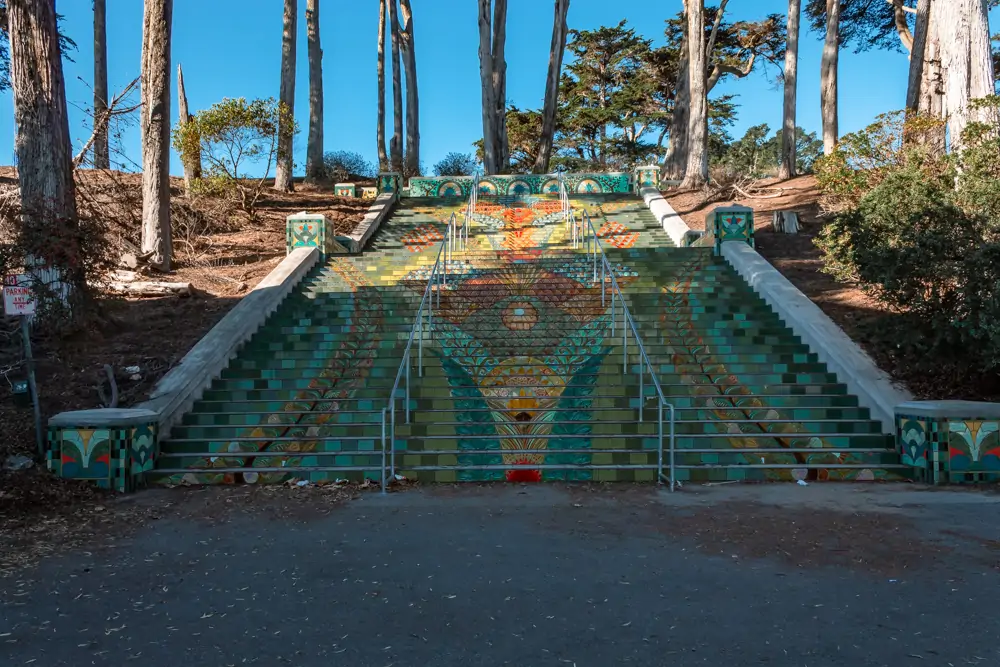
(455,237)
(592,246)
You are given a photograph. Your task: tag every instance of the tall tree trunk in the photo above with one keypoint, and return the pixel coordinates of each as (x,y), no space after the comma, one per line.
(102,152)
(314,150)
(556,52)
(787,167)
(918,55)
(412,95)
(155,127)
(677,149)
(828,77)
(42,145)
(286,96)
(191,163)
(500,83)
(493,76)
(396,144)
(383,155)
(490,157)
(967,62)
(696,172)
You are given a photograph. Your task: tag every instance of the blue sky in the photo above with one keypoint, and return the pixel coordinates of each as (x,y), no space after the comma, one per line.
(231,48)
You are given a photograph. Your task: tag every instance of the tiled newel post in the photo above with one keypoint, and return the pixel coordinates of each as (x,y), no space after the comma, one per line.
(647,177)
(390,181)
(113,447)
(345,190)
(950,441)
(730,223)
(309,230)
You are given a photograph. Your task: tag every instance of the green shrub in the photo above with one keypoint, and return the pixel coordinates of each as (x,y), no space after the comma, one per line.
(232,137)
(917,230)
(456,164)
(345,166)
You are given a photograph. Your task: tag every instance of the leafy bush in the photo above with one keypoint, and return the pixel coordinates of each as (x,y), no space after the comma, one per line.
(232,136)
(345,166)
(757,155)
(456,164)
(919,231)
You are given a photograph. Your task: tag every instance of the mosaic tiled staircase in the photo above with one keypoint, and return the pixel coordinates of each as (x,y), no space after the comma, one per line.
(523,379)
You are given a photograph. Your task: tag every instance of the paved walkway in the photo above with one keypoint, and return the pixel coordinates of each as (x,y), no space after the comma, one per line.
(541,575)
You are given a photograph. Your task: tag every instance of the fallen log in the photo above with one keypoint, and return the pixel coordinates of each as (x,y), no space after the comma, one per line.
(147,289)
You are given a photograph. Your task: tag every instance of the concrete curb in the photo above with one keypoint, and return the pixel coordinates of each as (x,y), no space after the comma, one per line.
(669,219)
(177,391)
(379,212)
(842,355)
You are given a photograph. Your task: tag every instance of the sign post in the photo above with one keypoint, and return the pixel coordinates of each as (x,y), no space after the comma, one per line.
(19,300)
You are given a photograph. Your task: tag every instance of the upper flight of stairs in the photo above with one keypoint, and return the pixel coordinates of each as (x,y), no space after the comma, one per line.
(523,378)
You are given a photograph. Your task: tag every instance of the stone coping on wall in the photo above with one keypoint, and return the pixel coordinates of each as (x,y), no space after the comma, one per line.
(177,391)
(835,348)
(957,409)
(669,219)
(378,213)
(101,417)
(519,184)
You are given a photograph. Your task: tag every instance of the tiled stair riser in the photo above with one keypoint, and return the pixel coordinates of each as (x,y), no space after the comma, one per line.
(523,379)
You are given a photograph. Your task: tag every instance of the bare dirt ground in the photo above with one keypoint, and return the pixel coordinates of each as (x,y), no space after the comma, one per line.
(221,253)
(864,320)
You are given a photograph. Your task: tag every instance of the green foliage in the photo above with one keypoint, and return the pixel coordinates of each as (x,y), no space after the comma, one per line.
(607,100)
(919,232)
(233,136)
(758,154)
(346,165)
(456,164)
(617,95)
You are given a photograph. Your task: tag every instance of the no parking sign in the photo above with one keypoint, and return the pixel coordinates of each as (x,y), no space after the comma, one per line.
(18,298)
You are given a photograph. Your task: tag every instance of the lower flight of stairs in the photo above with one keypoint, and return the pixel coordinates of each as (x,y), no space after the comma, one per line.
(524,374)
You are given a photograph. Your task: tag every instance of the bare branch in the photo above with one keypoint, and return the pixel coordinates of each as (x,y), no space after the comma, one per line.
(103,119)
(902,26)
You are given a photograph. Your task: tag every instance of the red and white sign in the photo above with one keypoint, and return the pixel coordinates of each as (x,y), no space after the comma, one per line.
(18,297)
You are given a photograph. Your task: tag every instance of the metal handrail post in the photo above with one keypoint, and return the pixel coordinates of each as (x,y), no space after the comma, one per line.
(383,451)
(642,395)
(407,387)
(420,344)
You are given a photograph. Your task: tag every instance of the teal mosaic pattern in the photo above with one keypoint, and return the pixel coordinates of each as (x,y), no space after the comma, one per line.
(949,450)
(115,458)
(520,185)
(390,181)
(733,223)
(311,231)
(345,190)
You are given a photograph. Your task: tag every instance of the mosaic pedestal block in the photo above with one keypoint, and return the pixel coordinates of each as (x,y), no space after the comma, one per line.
(390,181)
(731,223)
(304,230)
(113,448)
(345,190)
(950,441)
(647,177)
(369,193)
